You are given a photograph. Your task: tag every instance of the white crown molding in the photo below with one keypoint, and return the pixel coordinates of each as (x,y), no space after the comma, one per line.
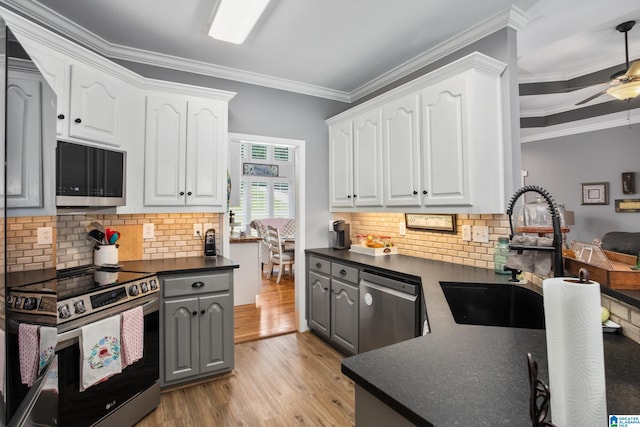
(622,118)
(511,17)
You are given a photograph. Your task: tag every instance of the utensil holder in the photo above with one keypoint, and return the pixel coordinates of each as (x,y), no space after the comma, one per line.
(107,254)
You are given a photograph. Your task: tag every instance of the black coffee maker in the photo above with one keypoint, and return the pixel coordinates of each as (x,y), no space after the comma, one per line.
(342,238)
(210,242)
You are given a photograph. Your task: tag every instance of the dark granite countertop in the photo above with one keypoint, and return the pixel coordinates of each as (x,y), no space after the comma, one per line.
(466,374)
(180,265)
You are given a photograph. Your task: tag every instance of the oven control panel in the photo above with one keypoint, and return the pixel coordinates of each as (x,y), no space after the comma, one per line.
(84,305)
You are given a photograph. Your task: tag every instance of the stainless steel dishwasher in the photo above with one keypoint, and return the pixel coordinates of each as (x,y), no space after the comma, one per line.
(389,311)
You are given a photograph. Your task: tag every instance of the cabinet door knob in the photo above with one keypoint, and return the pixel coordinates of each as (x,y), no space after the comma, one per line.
(202,311)
(189,193)
(343,273)
(78,120)
(415,192)
(348,196)
(326,289)
(197,284)
(194,313)
(61,116)
(318,265)
(182,193)
(355,195)
(424,192)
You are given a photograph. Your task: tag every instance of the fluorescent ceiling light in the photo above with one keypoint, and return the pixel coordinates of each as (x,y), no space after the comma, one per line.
(234,19)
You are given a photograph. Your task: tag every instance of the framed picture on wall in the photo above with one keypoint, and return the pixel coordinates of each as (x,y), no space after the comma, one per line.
(595,193)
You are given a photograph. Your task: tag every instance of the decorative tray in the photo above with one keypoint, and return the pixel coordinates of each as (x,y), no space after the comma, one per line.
(374,251)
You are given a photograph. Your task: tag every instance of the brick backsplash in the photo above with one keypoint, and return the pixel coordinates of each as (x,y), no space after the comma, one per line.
(173,238)
(449,247)
(23,251)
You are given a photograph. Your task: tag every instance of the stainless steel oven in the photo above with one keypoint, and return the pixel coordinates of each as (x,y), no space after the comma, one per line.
(122,399)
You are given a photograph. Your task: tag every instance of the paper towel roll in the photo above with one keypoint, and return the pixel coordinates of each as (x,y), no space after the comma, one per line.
(575,352)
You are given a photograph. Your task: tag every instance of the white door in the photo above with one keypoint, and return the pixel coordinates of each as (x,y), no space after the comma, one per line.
(206,153)
(341,165)
(164,154)
(445,147)
(95,99)
(367,159)
(401,151)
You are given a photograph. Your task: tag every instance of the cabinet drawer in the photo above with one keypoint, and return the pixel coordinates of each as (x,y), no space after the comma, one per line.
(197,283)
(344,272)
(319,264)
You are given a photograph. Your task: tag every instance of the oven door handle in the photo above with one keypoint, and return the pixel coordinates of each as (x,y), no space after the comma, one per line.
(67,338)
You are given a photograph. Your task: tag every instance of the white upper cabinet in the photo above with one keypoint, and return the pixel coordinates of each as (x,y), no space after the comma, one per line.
(24,139)
(95,107)
(367,159)
(355,150)
(445,143)
(341,164)
(444,146)
(185,151)
(401,145)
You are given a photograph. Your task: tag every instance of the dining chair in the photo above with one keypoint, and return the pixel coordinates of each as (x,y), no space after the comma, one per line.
(278,255)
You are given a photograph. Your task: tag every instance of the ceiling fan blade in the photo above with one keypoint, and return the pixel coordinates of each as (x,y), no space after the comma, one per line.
(592,97)
(634,70)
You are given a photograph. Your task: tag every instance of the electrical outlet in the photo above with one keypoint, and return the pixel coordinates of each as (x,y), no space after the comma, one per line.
(45,236)
(197,230)
(148,231)
(481,233)
(402,229)
(331,225)
(466,233)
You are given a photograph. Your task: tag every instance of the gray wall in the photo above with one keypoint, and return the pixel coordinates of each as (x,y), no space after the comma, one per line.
(264,111)
(560,165)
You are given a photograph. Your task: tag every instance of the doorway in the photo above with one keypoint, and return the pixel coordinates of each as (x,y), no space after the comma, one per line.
(296,283)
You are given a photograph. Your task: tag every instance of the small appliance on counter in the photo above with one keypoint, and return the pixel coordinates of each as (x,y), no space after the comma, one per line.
(342,238)
(210,242)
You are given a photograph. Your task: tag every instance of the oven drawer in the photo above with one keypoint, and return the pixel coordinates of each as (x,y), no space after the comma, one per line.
(196,283)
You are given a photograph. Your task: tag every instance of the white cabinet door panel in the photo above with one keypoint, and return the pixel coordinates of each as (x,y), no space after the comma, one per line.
(341,165)
(165,151)
(367,159)
(445,148)
(24,140)
(206,153)
(401,151)
(95,99)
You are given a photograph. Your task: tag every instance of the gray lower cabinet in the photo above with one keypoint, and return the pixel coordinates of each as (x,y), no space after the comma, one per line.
(197,326)
(333,302)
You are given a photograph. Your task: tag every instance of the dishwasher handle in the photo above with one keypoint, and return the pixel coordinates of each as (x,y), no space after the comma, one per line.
(368,279)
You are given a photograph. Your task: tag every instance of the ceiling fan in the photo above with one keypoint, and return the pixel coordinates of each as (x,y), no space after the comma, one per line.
(623,84)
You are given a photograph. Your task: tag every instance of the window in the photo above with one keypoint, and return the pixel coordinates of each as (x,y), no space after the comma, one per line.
(266,197)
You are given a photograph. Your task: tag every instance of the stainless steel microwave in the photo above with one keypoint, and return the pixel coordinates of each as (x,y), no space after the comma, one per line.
(89,176)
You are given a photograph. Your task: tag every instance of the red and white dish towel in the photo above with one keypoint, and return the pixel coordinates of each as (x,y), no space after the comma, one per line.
(100,351)
(28,350)
(132,332)
(36,344)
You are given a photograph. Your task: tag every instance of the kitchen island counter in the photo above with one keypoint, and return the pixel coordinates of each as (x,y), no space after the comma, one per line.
(467,374)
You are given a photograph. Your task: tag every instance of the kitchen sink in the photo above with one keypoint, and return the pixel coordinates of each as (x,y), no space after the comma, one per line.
(494,305)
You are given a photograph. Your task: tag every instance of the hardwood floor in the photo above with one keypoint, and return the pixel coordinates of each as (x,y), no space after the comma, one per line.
(275,314)
(289,380)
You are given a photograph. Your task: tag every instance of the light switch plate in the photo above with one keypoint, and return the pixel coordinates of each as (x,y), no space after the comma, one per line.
(45,235)
(402,229)
(466,233)
(331,225)
(148,231)
(481,233)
